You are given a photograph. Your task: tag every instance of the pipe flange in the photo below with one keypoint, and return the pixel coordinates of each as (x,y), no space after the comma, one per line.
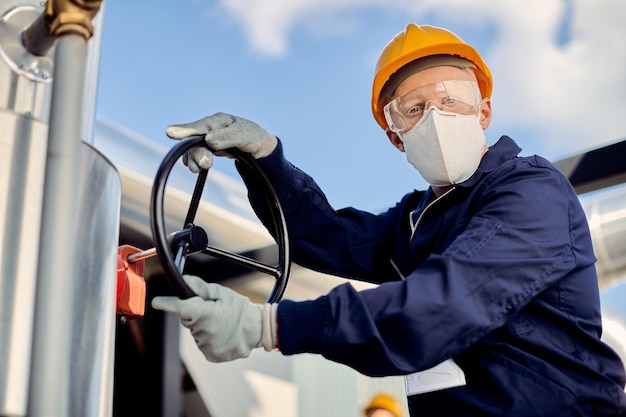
(12,24)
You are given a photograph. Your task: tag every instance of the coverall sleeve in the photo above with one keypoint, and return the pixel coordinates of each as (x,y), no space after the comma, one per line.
(348,242)
(517,241)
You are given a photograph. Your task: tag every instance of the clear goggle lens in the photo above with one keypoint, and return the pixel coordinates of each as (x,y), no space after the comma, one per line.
(454,96)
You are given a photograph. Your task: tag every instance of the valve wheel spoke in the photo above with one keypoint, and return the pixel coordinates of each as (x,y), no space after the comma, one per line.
(173,250)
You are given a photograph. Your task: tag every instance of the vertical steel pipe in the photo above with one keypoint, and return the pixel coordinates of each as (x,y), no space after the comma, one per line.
(51,362)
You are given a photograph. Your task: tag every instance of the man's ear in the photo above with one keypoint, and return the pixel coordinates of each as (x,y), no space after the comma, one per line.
(395,139)
(485,113)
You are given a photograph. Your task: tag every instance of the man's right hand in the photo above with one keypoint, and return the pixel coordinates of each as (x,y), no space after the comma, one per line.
(223,131)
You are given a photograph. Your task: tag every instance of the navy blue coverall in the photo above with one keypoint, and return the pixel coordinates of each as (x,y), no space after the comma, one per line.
(498,274)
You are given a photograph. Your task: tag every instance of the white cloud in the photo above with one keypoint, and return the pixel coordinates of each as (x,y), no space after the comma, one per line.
(572,91)
(268,22)
(575,91)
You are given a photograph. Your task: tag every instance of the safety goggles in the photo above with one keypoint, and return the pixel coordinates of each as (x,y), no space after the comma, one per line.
(455,96)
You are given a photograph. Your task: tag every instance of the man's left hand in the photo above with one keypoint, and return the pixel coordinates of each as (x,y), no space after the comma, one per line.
(225,325)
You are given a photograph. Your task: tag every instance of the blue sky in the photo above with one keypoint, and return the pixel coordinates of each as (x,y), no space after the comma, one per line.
(303,70)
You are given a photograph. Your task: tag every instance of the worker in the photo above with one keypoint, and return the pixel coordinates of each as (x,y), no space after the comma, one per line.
(383,405)
(488,300)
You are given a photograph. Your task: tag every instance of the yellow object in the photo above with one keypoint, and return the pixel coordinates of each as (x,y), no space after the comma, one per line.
(418,42)
(384,402)
(71,16)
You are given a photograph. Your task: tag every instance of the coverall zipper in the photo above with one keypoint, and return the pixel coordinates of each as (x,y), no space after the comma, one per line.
(414,227)
(432,203)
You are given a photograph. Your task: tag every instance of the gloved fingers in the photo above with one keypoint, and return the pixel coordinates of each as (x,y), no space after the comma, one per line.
(198,158)
(185,130)
(189,310)
(169,304)
(205,290)
(217,121)
(223,131)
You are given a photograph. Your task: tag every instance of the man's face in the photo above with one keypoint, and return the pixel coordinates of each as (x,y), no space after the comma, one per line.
(435,75)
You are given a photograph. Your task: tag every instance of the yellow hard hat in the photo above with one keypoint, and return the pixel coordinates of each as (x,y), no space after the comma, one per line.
(417,42)
(385,402)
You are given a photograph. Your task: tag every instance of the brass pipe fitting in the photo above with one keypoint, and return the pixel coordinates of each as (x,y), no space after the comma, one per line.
(60,17)
(71,16)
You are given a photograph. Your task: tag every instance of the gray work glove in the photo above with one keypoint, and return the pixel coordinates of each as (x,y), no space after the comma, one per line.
(224,324)
(222,131)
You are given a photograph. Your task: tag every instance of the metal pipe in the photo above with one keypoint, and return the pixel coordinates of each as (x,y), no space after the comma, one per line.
(51,361)
(69,21)
(37,38)
(140,256)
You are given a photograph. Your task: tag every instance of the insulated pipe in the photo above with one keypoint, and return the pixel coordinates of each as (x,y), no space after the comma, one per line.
(70,22)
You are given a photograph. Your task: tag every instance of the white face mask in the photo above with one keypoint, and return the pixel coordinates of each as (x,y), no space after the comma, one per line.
(446,148)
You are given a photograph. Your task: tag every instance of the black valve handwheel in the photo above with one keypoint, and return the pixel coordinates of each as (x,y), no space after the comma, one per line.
(173,249)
